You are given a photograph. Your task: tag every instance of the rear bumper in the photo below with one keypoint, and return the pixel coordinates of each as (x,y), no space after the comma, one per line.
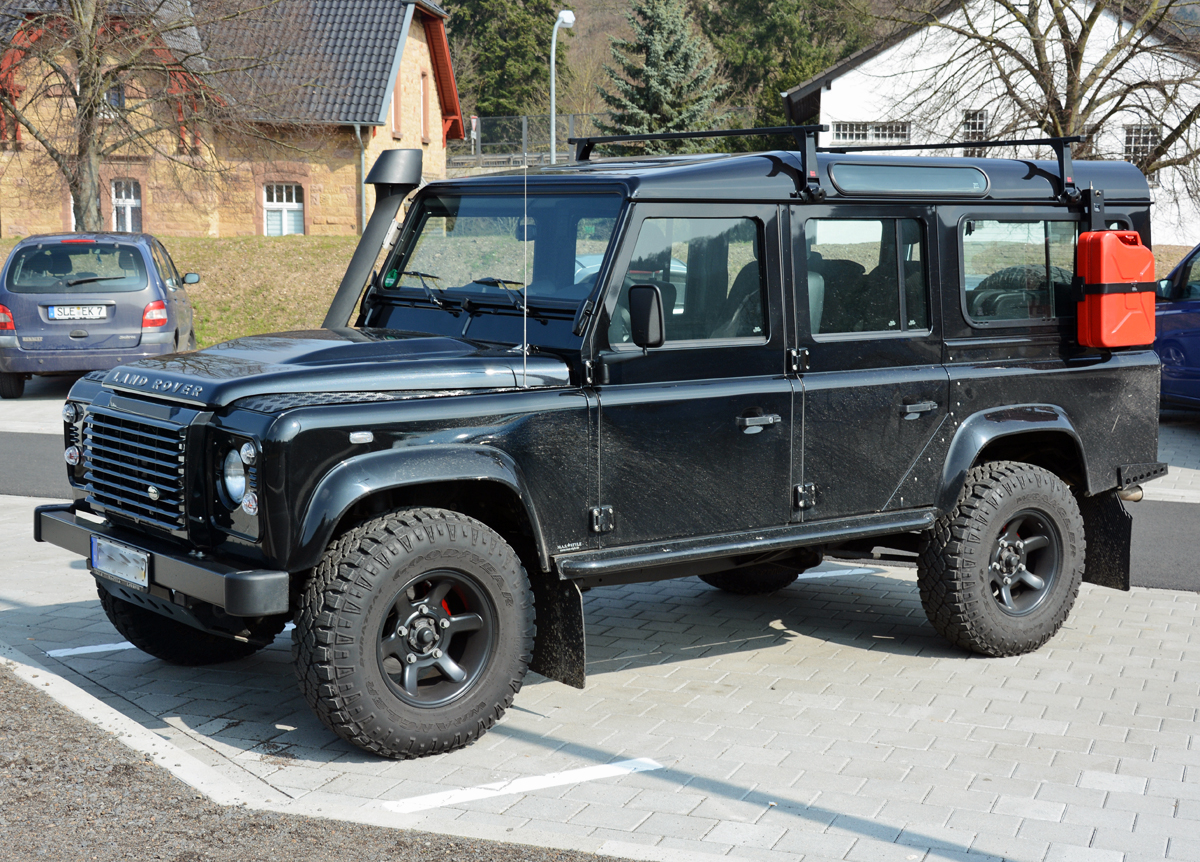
(14,360)
(173,577)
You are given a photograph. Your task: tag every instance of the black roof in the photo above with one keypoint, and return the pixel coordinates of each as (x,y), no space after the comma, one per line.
(772,176)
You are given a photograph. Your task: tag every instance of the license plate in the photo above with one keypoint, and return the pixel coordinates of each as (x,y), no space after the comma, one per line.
(121,562)
(78,312)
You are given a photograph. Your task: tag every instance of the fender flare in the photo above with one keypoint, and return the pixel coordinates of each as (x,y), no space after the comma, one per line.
(986,426)
(364,475)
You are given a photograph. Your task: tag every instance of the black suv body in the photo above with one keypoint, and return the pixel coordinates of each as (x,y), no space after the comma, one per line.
(733,365)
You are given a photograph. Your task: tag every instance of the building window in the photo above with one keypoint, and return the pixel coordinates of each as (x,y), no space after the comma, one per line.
(1140,141)
(851,131)
(974,128)
(890,133)
(127,205)
(424,107)
(283,209)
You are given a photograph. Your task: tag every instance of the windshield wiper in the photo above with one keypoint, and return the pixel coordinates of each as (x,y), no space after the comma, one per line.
(74,281)
(433,297)
(513,296)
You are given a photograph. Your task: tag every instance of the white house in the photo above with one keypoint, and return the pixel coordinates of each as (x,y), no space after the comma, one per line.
(930,84)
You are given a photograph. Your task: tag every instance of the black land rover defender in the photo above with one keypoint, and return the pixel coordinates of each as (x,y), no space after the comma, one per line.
(626,370)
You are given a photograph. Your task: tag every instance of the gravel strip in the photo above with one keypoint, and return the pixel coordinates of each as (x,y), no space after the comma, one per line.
(69,791)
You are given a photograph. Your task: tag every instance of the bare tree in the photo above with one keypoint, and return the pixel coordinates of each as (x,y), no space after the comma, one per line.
(1059,67)
(91,80)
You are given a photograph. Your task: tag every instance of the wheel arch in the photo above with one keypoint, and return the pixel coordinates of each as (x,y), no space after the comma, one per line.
(1038,434)
(478,481)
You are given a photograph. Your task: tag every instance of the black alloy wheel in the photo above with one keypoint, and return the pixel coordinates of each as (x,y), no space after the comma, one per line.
(436,641)
(1025,563)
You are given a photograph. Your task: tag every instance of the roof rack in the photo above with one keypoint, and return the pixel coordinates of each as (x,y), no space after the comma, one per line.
(1061,146)
(806,142)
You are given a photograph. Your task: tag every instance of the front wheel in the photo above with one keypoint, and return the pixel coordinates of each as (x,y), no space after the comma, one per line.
(999,574)
(414,633)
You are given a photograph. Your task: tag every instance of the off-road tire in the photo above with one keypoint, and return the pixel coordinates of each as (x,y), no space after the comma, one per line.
(176,642)
(11,385)
(762,579)
(958,570)
(351,642)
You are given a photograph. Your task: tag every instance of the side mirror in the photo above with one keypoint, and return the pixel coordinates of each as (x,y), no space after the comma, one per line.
(191,278)
(1165,289)
(646,316)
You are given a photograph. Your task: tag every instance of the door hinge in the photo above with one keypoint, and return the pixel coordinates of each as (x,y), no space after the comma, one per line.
(589,372)
(806,496)
(602,519)
(799,359)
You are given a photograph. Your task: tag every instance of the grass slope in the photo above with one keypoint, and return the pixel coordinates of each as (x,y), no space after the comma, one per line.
(255,284)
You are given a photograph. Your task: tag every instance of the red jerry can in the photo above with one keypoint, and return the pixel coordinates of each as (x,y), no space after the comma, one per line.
(1117,273)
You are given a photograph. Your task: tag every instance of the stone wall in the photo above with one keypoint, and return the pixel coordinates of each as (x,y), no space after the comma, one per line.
(226,198)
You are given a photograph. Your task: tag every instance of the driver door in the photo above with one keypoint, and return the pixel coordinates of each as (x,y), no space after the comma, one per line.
(694,436)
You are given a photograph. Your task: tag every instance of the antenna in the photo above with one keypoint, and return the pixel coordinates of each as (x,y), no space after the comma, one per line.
(525,278)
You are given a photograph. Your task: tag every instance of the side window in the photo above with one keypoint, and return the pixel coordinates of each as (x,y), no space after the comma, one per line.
(866,275)
(1018,270)
(1191,279)
(710,274)
(163,265)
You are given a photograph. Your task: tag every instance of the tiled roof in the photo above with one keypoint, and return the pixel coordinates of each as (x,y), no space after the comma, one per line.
(327,61)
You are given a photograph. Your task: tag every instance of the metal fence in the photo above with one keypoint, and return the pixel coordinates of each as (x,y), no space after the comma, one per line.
(501,142)
(509,142)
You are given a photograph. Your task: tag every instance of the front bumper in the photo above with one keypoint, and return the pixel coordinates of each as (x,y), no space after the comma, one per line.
(173,578)
(17,361)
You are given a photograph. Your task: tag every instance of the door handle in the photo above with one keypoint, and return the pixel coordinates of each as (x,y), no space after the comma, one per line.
(755,424)
(913,411)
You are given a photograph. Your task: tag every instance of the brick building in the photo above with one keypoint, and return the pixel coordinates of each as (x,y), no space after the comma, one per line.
(381,77)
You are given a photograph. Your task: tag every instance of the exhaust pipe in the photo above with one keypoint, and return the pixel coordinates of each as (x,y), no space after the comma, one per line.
(1132,494)
(395,174)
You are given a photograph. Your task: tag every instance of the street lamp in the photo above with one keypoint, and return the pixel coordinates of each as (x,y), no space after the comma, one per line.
(566,18)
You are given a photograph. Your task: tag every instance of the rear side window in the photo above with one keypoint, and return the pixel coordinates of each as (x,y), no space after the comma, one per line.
(866,275)
(94,268)
(1017,271)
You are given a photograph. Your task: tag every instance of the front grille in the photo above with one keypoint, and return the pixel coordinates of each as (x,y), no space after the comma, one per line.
(124,457)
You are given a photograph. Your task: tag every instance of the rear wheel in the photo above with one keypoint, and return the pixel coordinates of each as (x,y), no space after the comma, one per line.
(176,642)
(11,385)
(414,633)
(1000,573)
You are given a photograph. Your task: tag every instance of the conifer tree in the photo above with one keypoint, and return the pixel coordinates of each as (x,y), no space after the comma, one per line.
(664,79)
(502,53)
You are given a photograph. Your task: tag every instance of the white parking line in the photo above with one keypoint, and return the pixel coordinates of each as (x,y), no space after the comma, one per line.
(521,785)
(84,650)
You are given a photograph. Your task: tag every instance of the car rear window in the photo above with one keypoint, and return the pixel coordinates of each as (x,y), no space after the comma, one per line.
(91,267)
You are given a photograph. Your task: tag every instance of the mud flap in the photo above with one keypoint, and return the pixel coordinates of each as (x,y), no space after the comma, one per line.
(559,652)
(1108,529)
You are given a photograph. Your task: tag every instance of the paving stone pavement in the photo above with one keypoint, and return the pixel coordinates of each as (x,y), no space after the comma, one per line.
(825,722)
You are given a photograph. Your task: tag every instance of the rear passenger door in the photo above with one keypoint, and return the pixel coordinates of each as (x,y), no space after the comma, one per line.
(874,388)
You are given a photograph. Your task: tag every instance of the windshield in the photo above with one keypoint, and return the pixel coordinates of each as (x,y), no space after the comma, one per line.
(76,267)
(476,246)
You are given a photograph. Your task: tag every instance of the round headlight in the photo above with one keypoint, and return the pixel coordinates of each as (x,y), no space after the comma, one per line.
(70,413)
(234,477)
(249,453)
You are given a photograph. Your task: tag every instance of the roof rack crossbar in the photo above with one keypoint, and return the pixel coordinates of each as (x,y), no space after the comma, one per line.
(1061,147)
(584,146)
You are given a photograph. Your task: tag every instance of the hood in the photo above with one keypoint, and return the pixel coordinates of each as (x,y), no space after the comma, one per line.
(324,360)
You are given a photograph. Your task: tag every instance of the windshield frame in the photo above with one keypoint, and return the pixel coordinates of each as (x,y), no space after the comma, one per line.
(480,301)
